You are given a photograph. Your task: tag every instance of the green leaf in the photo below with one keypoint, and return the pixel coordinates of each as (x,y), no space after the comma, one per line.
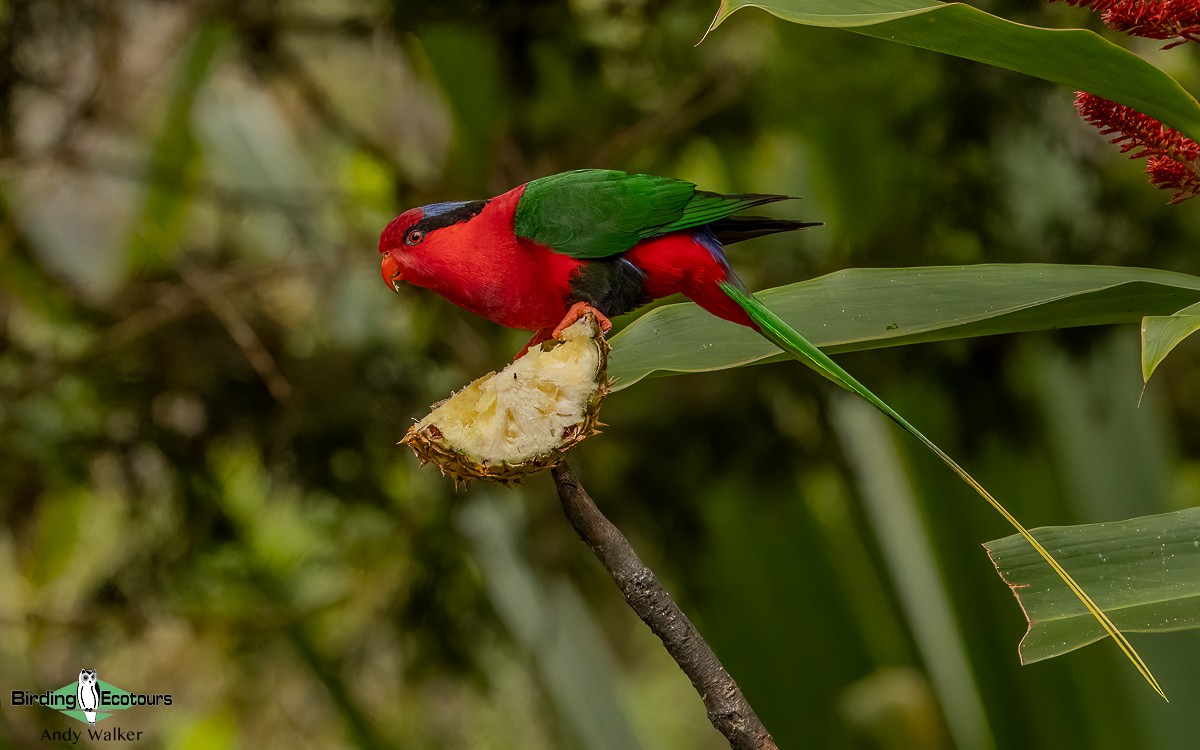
(869,308)
(1144,572)
(791,341)
(1072,57)
(1162,333)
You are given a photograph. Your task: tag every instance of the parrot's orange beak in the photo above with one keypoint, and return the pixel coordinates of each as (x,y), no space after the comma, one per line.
(391,272)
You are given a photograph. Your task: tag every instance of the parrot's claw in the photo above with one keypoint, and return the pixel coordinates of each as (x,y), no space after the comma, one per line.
(577,311)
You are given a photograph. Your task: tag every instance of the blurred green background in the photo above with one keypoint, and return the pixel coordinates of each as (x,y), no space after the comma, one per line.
(203,378)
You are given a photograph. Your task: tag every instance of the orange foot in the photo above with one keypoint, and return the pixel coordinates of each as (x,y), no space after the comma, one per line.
(577,311)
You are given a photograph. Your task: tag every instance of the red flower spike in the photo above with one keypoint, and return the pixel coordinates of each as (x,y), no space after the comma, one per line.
(1167,173)
(1153,19)
(1172,159)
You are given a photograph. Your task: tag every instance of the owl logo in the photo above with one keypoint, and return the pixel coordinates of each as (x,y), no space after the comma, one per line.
(88,694)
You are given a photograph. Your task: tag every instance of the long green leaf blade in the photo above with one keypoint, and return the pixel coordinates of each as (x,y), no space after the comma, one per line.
(1144,572)
(868,308)
(1075,58)
(1162,333)
(788,339)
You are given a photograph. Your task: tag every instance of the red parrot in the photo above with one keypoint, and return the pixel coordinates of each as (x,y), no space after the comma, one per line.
(600,241)
(607,242)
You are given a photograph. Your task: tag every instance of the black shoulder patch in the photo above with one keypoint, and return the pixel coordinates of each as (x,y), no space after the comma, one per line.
(614,286)
(438,215)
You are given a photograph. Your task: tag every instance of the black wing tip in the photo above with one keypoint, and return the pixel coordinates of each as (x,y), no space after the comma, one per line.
(738,228)
(753,199)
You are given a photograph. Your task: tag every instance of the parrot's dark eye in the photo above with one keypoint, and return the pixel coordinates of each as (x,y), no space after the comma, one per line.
(414,237)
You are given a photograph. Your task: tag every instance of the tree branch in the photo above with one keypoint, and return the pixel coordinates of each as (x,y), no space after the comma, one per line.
(728,709)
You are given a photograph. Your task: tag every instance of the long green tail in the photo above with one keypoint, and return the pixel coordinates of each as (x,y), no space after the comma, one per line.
(788,339)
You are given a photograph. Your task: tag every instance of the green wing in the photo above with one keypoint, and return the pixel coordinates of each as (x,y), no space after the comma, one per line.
(595,213)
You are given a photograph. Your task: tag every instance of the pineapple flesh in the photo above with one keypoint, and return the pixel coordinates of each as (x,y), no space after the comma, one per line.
(524,418)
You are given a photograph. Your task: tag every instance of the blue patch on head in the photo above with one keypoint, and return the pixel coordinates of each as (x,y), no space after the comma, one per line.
(437,209)
(435,216)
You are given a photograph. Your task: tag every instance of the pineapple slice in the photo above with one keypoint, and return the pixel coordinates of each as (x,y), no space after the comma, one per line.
(507,425)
